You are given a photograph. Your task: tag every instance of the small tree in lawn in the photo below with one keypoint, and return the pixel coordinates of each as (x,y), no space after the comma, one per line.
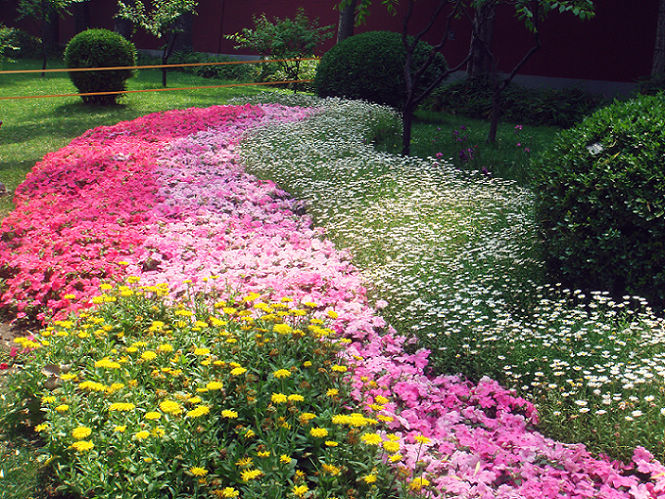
(43,11)
(284,39)
(161,19)
(531,13)
(413,74)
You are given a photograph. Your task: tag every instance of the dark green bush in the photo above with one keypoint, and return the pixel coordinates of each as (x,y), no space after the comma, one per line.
(235,72)
(473,98)
(100,48)
(600,201)
(370,66)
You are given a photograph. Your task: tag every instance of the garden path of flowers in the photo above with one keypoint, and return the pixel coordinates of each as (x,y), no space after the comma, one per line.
(164,197)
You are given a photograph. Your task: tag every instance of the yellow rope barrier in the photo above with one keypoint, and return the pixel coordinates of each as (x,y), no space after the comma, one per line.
(156,90)
(152,66)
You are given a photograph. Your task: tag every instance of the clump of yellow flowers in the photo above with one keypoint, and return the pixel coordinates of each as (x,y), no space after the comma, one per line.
(245,397)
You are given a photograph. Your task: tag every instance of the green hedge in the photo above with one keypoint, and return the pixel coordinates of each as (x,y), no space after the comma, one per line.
(600,200)
(473,98)
(99,48)
(370,66)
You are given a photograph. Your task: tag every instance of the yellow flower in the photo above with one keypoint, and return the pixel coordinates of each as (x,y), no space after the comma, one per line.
(48,400)
(198,471)
(41,427)
(82,446)
(371,438)
(285,459)
(381,400)
(300,490)
(371,478)
(338,369)
(296,398)
(62,408)
(418,483)
(395,458)
(165,348)
(226,413)
(201,351)
(237,371)
(69,297)
(122,406)
(248,475)
(148,355)
(141,435)
(282,329)
(307,363)
(249,433)
(263,453)
(278,398)
(318,432)
(198,411)
(332,392)
(81,432)
(226,493)
(306,417)
(152,415)
(214,385)
(391,447)
(170,407)
(332,314)
(282,373)
(194,400)
(421,439)
(332,469)
(93,386)
(119,429)
(331,443)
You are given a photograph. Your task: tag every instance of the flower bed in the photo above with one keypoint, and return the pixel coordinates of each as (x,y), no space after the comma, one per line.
(166,199)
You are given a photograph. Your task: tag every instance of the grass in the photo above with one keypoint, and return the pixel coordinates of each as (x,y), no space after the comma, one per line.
(33,127)
(450,137)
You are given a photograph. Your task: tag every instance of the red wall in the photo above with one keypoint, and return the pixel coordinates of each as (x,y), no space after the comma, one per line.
(616,45)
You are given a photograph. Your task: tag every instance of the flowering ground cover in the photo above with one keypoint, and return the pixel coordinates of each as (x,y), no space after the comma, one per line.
(166,199)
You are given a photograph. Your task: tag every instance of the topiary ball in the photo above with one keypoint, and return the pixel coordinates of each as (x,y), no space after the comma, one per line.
(100,48)
(370,66)
(600,201)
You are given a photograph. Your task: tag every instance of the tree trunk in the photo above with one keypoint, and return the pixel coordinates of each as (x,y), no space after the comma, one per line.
(495,113)
(480,64)
(658,64)
(347,19)
(166,53)
(407,121)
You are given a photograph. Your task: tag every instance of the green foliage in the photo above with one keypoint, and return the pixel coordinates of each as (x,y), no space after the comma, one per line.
(236,72)
(473,98)
(370,66)
(99,48)
(42,9)
(601,200)
(161,19)
(8,43)
(246,393)
(284,39)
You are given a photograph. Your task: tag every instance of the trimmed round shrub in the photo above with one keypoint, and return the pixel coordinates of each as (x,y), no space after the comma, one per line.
(370,66)
(600,201)
(100,48)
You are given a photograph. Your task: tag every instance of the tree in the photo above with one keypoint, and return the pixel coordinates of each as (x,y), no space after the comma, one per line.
(413,75)
(287,40)
(45,12)
(8,44)
(531,13)
(347,20)
(481,64)
(658,65)
(163,20)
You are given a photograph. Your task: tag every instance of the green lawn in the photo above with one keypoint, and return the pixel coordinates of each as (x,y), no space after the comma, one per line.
(33,127)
